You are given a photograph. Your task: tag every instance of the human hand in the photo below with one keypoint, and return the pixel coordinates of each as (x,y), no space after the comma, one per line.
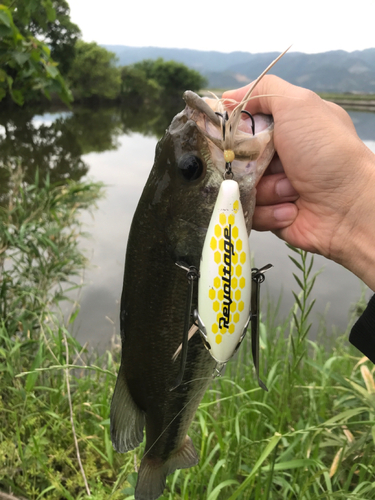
(319,194)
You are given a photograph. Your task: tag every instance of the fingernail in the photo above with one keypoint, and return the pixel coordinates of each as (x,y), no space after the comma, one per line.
(285,213)
(284,188)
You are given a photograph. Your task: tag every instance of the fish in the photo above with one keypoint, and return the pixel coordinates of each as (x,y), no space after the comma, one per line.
(168,228)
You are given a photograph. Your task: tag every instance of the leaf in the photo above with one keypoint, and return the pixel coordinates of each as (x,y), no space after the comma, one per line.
(297,300)
(298,281)
(290,464)
(218,465)
(17,96)
(296,321)
(21,57)
(310,266)
(33,375)
(73,316)
(215,493)
(5,18)
(309,308)
(50,11)
(344,416)
(310,286)
(52,70)
(294,249)
(5,31)
(295,262)
(266,452)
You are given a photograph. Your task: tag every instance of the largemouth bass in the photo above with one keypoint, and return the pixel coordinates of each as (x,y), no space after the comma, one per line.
(169,227)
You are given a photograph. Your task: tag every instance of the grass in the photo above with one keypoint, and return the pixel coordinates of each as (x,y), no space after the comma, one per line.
(312,436)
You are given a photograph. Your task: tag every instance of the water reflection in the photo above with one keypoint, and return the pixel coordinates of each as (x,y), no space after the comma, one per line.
(50,147)
(55,143)
(116,146)
(149,118)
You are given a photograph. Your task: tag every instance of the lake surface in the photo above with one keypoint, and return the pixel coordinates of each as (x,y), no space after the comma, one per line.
(118,148)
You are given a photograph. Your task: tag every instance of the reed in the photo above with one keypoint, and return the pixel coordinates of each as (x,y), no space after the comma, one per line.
(312,436)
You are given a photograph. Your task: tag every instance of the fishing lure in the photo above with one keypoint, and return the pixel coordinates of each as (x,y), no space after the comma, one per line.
(227,302)
(224,288)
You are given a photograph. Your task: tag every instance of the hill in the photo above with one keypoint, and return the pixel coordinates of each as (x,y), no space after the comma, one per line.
(334,71)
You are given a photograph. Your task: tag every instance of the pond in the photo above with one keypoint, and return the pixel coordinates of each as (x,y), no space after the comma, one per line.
(116,146)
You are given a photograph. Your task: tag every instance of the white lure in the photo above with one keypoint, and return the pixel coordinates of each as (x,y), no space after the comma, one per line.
(224,289)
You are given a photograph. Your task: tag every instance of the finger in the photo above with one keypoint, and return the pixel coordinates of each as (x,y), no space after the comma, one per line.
(268,87)
(271,218)
(275,189)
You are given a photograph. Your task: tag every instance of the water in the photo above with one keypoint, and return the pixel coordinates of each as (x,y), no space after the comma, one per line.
(125,171)
(117,147)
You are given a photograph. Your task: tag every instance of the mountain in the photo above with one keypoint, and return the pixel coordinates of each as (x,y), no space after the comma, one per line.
(333,71)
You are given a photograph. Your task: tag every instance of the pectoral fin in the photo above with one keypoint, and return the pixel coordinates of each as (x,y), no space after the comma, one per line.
(153,472)
(127,420)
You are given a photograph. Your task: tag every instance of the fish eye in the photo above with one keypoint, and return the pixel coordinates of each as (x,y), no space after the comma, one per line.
(191,166)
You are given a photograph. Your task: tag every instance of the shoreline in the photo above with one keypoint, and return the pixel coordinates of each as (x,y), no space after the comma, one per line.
(355,103)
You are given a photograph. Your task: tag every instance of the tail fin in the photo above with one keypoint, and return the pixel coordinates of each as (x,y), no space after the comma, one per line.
(153,474)
(127,420)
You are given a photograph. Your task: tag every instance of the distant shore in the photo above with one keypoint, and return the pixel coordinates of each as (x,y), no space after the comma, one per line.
(357,102)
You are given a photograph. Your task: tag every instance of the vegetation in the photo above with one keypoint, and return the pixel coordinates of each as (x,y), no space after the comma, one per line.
(32,32)
(311,436)
(40,51)
(93,73)
(149,80)
(59,32)
(136,85)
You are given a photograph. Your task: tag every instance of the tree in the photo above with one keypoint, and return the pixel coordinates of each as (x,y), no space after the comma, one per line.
(60,35)
(26,64)
(173,77)
(136,85)
(93,73)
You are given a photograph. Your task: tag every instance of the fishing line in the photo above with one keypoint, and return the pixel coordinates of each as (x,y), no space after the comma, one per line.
(179,413)
(171,422)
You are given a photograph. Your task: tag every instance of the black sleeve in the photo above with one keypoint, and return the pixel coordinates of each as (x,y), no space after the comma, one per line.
(362,335)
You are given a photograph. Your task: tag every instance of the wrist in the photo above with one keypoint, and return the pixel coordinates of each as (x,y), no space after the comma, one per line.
(353,245)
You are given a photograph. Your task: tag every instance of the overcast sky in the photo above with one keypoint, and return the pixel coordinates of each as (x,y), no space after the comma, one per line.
(251,25)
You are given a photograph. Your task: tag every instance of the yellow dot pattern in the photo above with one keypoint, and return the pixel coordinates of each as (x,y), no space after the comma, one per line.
(223,250)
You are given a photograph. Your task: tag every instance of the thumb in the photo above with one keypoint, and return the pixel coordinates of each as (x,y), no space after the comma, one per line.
(267,95)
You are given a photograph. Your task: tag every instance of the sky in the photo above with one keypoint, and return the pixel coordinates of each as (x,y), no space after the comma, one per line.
(244,25)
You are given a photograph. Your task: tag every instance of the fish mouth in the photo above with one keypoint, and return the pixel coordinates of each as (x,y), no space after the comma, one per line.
(253,151)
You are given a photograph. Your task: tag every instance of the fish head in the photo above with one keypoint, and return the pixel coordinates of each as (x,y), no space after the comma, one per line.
(253,149)
(190,167)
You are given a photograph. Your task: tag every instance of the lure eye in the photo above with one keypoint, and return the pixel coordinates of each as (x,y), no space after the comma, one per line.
(190,166)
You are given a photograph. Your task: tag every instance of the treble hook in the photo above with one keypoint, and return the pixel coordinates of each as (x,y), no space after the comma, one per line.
(228,171)
(192,275)
(225,118)
(257,276)
(251,118)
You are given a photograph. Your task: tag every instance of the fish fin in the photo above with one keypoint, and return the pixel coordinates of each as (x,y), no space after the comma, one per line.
(127,419)
(153,474)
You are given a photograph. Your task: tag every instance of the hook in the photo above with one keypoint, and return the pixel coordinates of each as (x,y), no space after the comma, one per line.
(251,118)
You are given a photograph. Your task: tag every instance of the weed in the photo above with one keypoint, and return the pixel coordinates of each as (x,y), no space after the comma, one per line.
(312,436)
